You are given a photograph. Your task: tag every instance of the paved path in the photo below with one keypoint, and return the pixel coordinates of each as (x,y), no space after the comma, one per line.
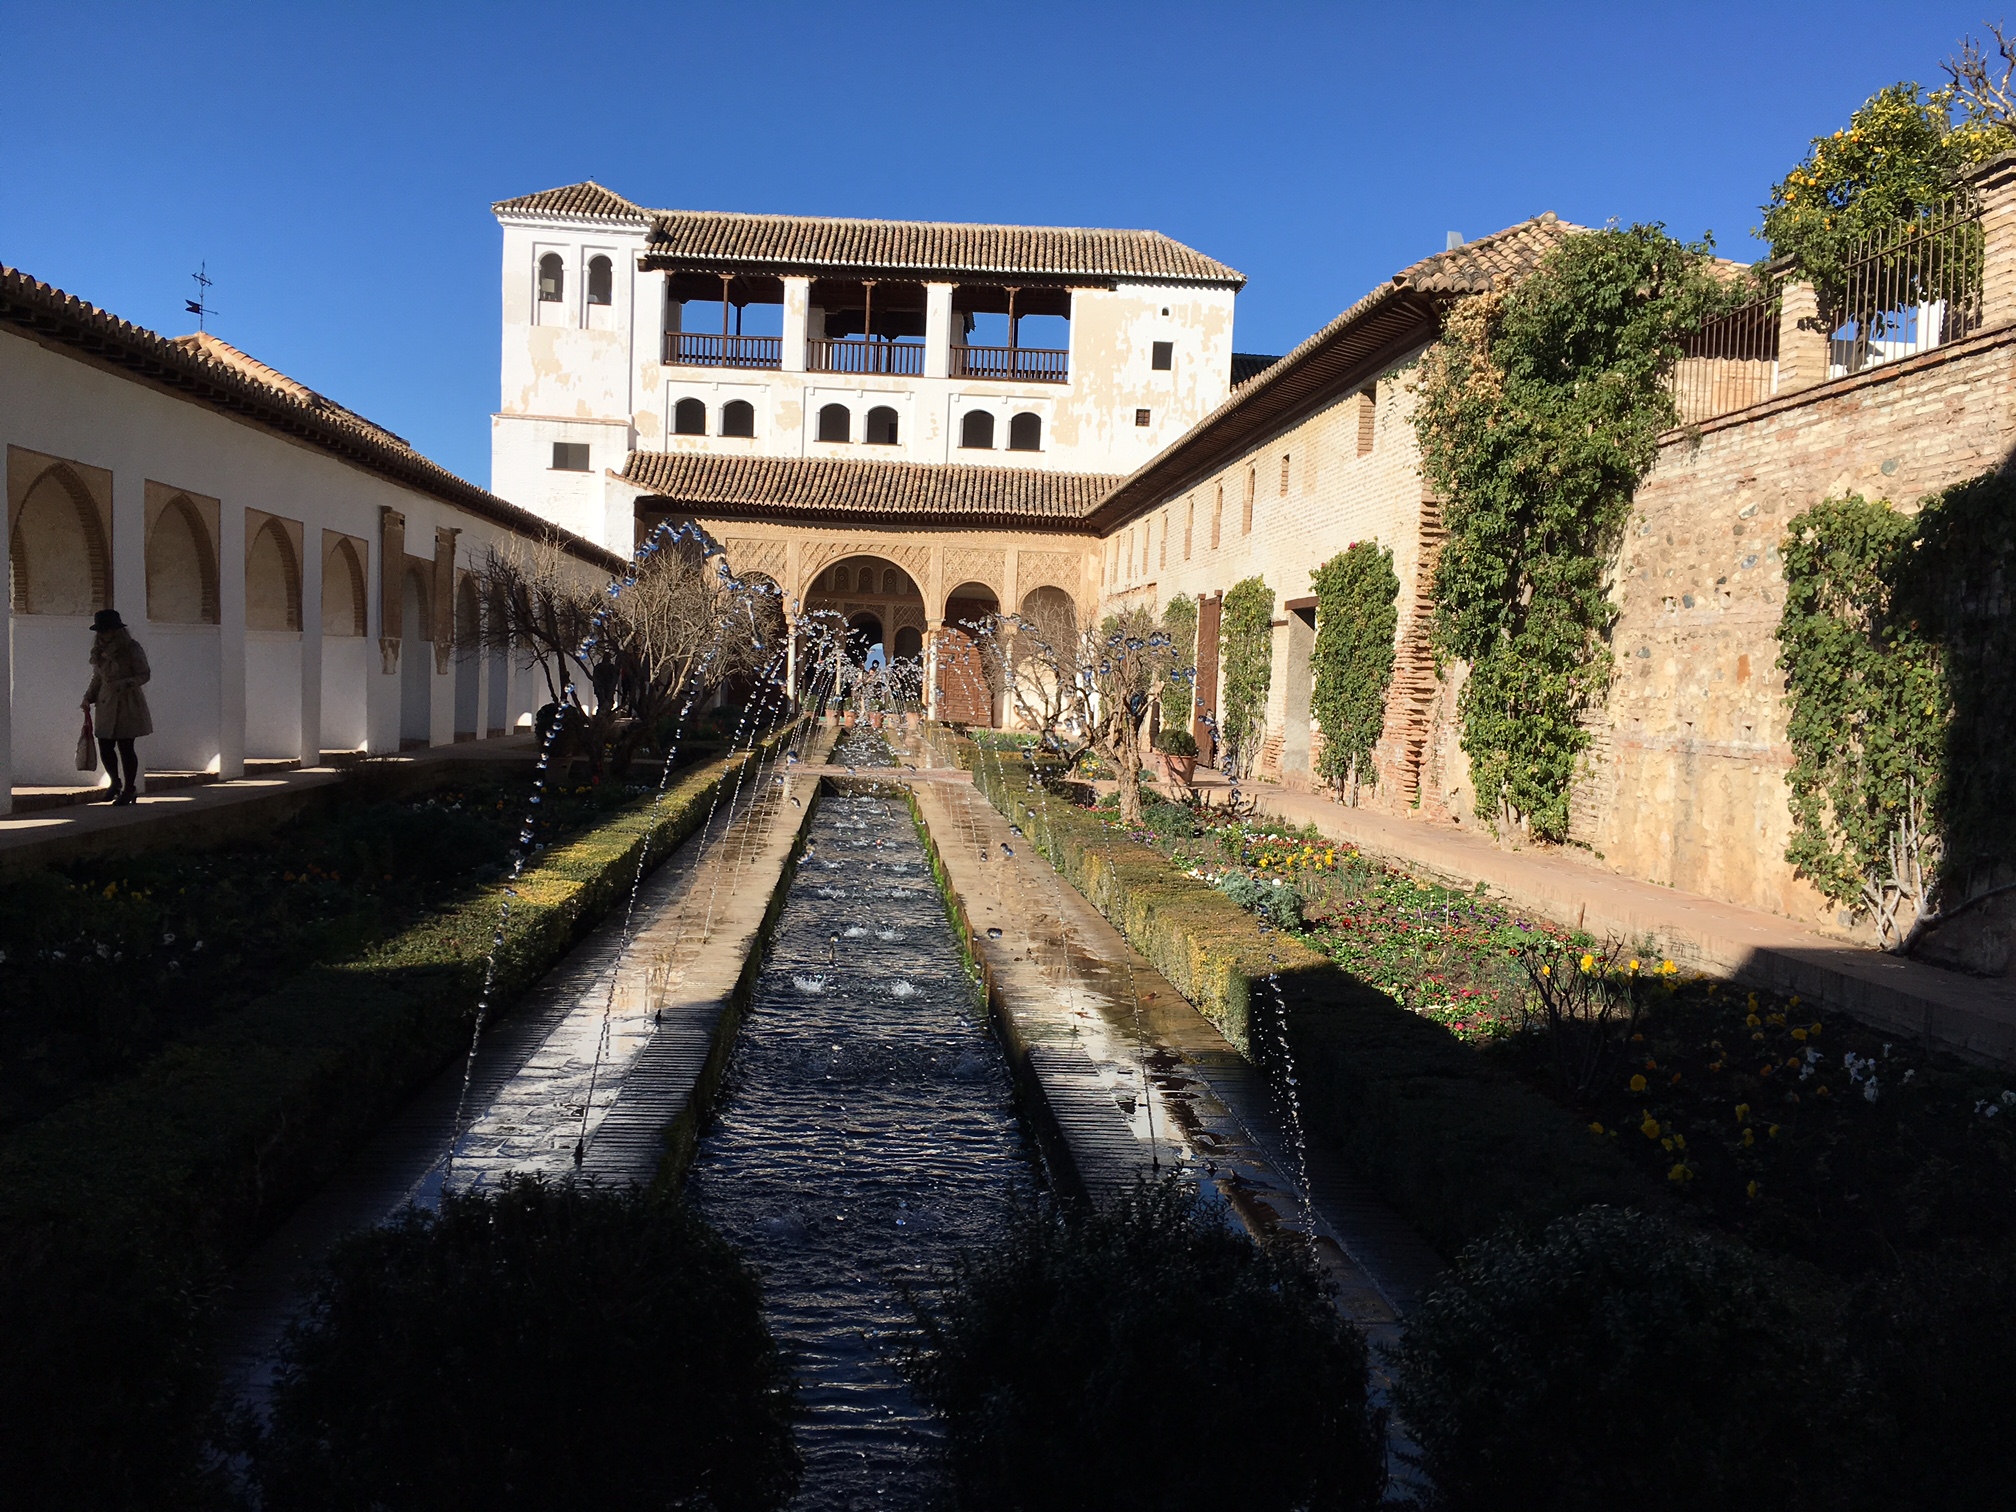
(1970,1015)
(212,812)
(655,990)
(1097,1022)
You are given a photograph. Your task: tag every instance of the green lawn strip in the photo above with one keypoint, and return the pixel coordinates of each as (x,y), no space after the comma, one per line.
(219,1134)
(1457,1145)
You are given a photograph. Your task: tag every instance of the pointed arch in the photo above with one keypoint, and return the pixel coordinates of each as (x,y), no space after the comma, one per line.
(344,599)
(181,562)
(272,575)
(57,553)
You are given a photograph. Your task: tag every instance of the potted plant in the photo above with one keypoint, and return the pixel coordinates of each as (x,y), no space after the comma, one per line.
(1179,755)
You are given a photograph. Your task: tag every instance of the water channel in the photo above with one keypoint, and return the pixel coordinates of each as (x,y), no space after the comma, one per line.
(866,1133)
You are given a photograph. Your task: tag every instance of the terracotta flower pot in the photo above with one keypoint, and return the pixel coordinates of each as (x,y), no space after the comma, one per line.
(1181,768)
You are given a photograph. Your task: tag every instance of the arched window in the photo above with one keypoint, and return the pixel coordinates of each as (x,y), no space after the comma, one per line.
(840,580)
(57,551)
(738,418)
(552,278)
(893,583)
(601,280)
(835,424)
(689,418)
(181,566)
(1025,432)
(343,597)
(881,429)
(272,580)
(976,431)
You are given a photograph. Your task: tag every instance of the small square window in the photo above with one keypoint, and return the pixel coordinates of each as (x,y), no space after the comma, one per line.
(1164,357)
(1140,417)
(570,456)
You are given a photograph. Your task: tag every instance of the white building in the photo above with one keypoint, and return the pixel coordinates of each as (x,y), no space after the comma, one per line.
(302,580)
(627,331)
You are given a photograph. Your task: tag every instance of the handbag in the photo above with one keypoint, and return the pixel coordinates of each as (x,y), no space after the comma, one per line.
(87,747)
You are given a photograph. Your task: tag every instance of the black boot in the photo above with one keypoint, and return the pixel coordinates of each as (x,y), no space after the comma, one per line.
(112,793)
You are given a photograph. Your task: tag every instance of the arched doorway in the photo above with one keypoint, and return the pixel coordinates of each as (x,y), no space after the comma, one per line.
(1045,653)
(966,666)
(850,606)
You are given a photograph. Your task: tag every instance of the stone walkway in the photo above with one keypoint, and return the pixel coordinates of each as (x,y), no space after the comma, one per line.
(210,812)
(655,989)
(1968,1015)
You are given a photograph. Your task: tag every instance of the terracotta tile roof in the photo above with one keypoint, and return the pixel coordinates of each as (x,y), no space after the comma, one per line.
(1246,366)
(1397,317)
(228,381)
(222,351)
(586,199)
(922,493)
(774,243)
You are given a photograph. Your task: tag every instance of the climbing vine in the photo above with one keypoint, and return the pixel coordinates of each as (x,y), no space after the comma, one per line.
(1900,667)
(1357,594)
(1246,662)
(1540,410)
(1179,619)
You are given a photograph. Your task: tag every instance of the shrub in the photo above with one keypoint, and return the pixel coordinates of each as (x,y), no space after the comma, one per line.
(547,1345)
(1176,742)
(1173,819)
(1091,1361)
(1621,1361)
(1280,903)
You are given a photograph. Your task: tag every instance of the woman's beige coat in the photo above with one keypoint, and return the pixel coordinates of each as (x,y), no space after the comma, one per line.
(118,670)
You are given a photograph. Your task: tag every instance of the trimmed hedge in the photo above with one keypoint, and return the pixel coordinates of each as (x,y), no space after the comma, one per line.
(120,1212)
(1455,1144)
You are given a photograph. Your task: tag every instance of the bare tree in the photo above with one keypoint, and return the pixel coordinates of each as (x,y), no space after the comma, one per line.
(1106,680)
(1043,659)
(1988,99)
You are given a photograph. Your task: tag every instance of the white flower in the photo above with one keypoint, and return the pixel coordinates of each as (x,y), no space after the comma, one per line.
(2009,1099)
(1869,1092)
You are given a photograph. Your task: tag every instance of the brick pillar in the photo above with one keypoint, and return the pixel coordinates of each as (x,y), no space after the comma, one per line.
(1802,339)
(444,597)
(1994,183)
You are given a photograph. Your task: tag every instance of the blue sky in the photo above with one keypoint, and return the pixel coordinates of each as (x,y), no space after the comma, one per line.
(334,165)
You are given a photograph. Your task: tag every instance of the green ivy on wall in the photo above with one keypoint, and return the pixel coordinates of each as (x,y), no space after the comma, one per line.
(1357,597)
(1179,619)
(1540,410)
(1246,663)
(1900,669)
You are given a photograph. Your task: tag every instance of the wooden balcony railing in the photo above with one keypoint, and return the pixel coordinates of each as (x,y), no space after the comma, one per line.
(1016,364)
(693,349)
(905,359)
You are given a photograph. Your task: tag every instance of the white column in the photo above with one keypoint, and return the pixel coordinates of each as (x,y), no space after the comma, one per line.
(937,330)
(797,304)
(7,703)
(230,641)
(311,643)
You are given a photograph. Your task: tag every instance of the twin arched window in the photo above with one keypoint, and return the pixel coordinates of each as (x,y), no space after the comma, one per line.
(689,418)
(835,423)
(601,281)
(1025,431)
(552,278)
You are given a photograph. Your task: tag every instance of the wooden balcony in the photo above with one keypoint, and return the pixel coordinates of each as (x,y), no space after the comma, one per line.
(904,359)
(692,349)
(1012,364)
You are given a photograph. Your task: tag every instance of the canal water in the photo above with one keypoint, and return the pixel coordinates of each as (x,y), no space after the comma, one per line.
(865,1134)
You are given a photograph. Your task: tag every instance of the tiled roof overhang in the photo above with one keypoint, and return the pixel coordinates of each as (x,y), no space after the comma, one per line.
(65,323)
(1393,321)
(837,491)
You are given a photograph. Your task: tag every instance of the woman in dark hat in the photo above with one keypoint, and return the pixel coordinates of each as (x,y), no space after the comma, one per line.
(118,708)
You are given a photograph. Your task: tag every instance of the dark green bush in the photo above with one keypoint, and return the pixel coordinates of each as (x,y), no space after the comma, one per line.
(1174,819)
(548,1345)
(1622,1361)
(1174,741)
(1148,1357)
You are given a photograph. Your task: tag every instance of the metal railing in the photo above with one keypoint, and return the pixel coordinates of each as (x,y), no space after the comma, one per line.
(904,359)
(1019,364)
(692,349)
(1731,362)
(1907,290)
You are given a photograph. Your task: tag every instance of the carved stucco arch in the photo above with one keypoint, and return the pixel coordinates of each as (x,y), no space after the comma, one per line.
(815,556)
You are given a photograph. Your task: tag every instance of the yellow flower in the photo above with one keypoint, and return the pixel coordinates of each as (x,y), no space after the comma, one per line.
(1680,1140)
(1742,1112)
(1753,1189)
(1753,1021)
(1649,1128)
(1588,961)
(1638,1083)
(1667,1143)
(1680,1173)
(1772,1131)
(1634,968)
(1799,1034)
(1749,1136)
(1595,1128)
(1546,971)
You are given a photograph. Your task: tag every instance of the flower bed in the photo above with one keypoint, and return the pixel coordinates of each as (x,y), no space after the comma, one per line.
(119,1211)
